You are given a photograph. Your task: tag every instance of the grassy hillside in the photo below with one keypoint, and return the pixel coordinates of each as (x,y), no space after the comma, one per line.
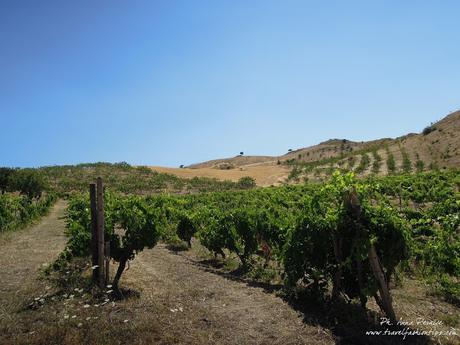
(125,178)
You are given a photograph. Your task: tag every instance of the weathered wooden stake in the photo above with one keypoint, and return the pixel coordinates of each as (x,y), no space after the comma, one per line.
(100,231)
(94,240)
(107,262)
(382,284)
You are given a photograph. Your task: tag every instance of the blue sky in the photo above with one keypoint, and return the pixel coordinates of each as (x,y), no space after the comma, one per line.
(178,82)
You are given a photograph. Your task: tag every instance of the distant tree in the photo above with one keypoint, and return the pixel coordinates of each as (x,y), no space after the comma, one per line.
(241,153)
(181,166)
(290,150)
(122,165)
(427,130)
(6,175)
(28,182)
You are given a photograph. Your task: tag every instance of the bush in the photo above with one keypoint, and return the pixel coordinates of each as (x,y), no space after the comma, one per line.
(427,130)
(246,182)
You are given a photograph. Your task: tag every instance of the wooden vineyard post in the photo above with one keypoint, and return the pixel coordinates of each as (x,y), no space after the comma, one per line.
(100,231)
(94,237)
(382,284)
(107,262)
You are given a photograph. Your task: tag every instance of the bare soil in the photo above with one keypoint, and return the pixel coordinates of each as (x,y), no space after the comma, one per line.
(24,253)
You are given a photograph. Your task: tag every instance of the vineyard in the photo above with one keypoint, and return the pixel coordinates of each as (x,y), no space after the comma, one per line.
(344,252)
(17,211)
(229,172)
(24,198)
(345,238)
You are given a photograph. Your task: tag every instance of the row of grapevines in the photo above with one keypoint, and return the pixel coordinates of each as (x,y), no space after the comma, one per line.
(16,211)
(312,231)
(322,235)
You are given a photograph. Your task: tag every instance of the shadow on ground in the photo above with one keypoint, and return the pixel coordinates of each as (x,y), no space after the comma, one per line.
(348,322)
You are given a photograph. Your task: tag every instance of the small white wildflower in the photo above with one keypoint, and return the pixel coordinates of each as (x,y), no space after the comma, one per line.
(88,318)
(74,316)
(109,286)
(80,324)
(109,291)
(86,306)
(94,267)
(66,317)
(125,321)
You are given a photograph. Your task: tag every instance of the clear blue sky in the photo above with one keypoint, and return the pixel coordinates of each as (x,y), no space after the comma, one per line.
(178,82)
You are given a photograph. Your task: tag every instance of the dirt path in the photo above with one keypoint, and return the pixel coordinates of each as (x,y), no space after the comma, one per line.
(24,252)
(198,306)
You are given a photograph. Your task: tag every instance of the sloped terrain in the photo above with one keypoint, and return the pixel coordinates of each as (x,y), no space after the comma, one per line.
(436,147)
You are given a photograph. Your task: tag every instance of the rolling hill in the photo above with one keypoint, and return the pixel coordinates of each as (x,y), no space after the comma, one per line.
(436,147)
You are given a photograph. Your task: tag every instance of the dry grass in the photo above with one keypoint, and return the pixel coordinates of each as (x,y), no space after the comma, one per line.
(265,174)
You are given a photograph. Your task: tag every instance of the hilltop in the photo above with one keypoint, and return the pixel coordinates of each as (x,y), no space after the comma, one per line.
(435,147)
